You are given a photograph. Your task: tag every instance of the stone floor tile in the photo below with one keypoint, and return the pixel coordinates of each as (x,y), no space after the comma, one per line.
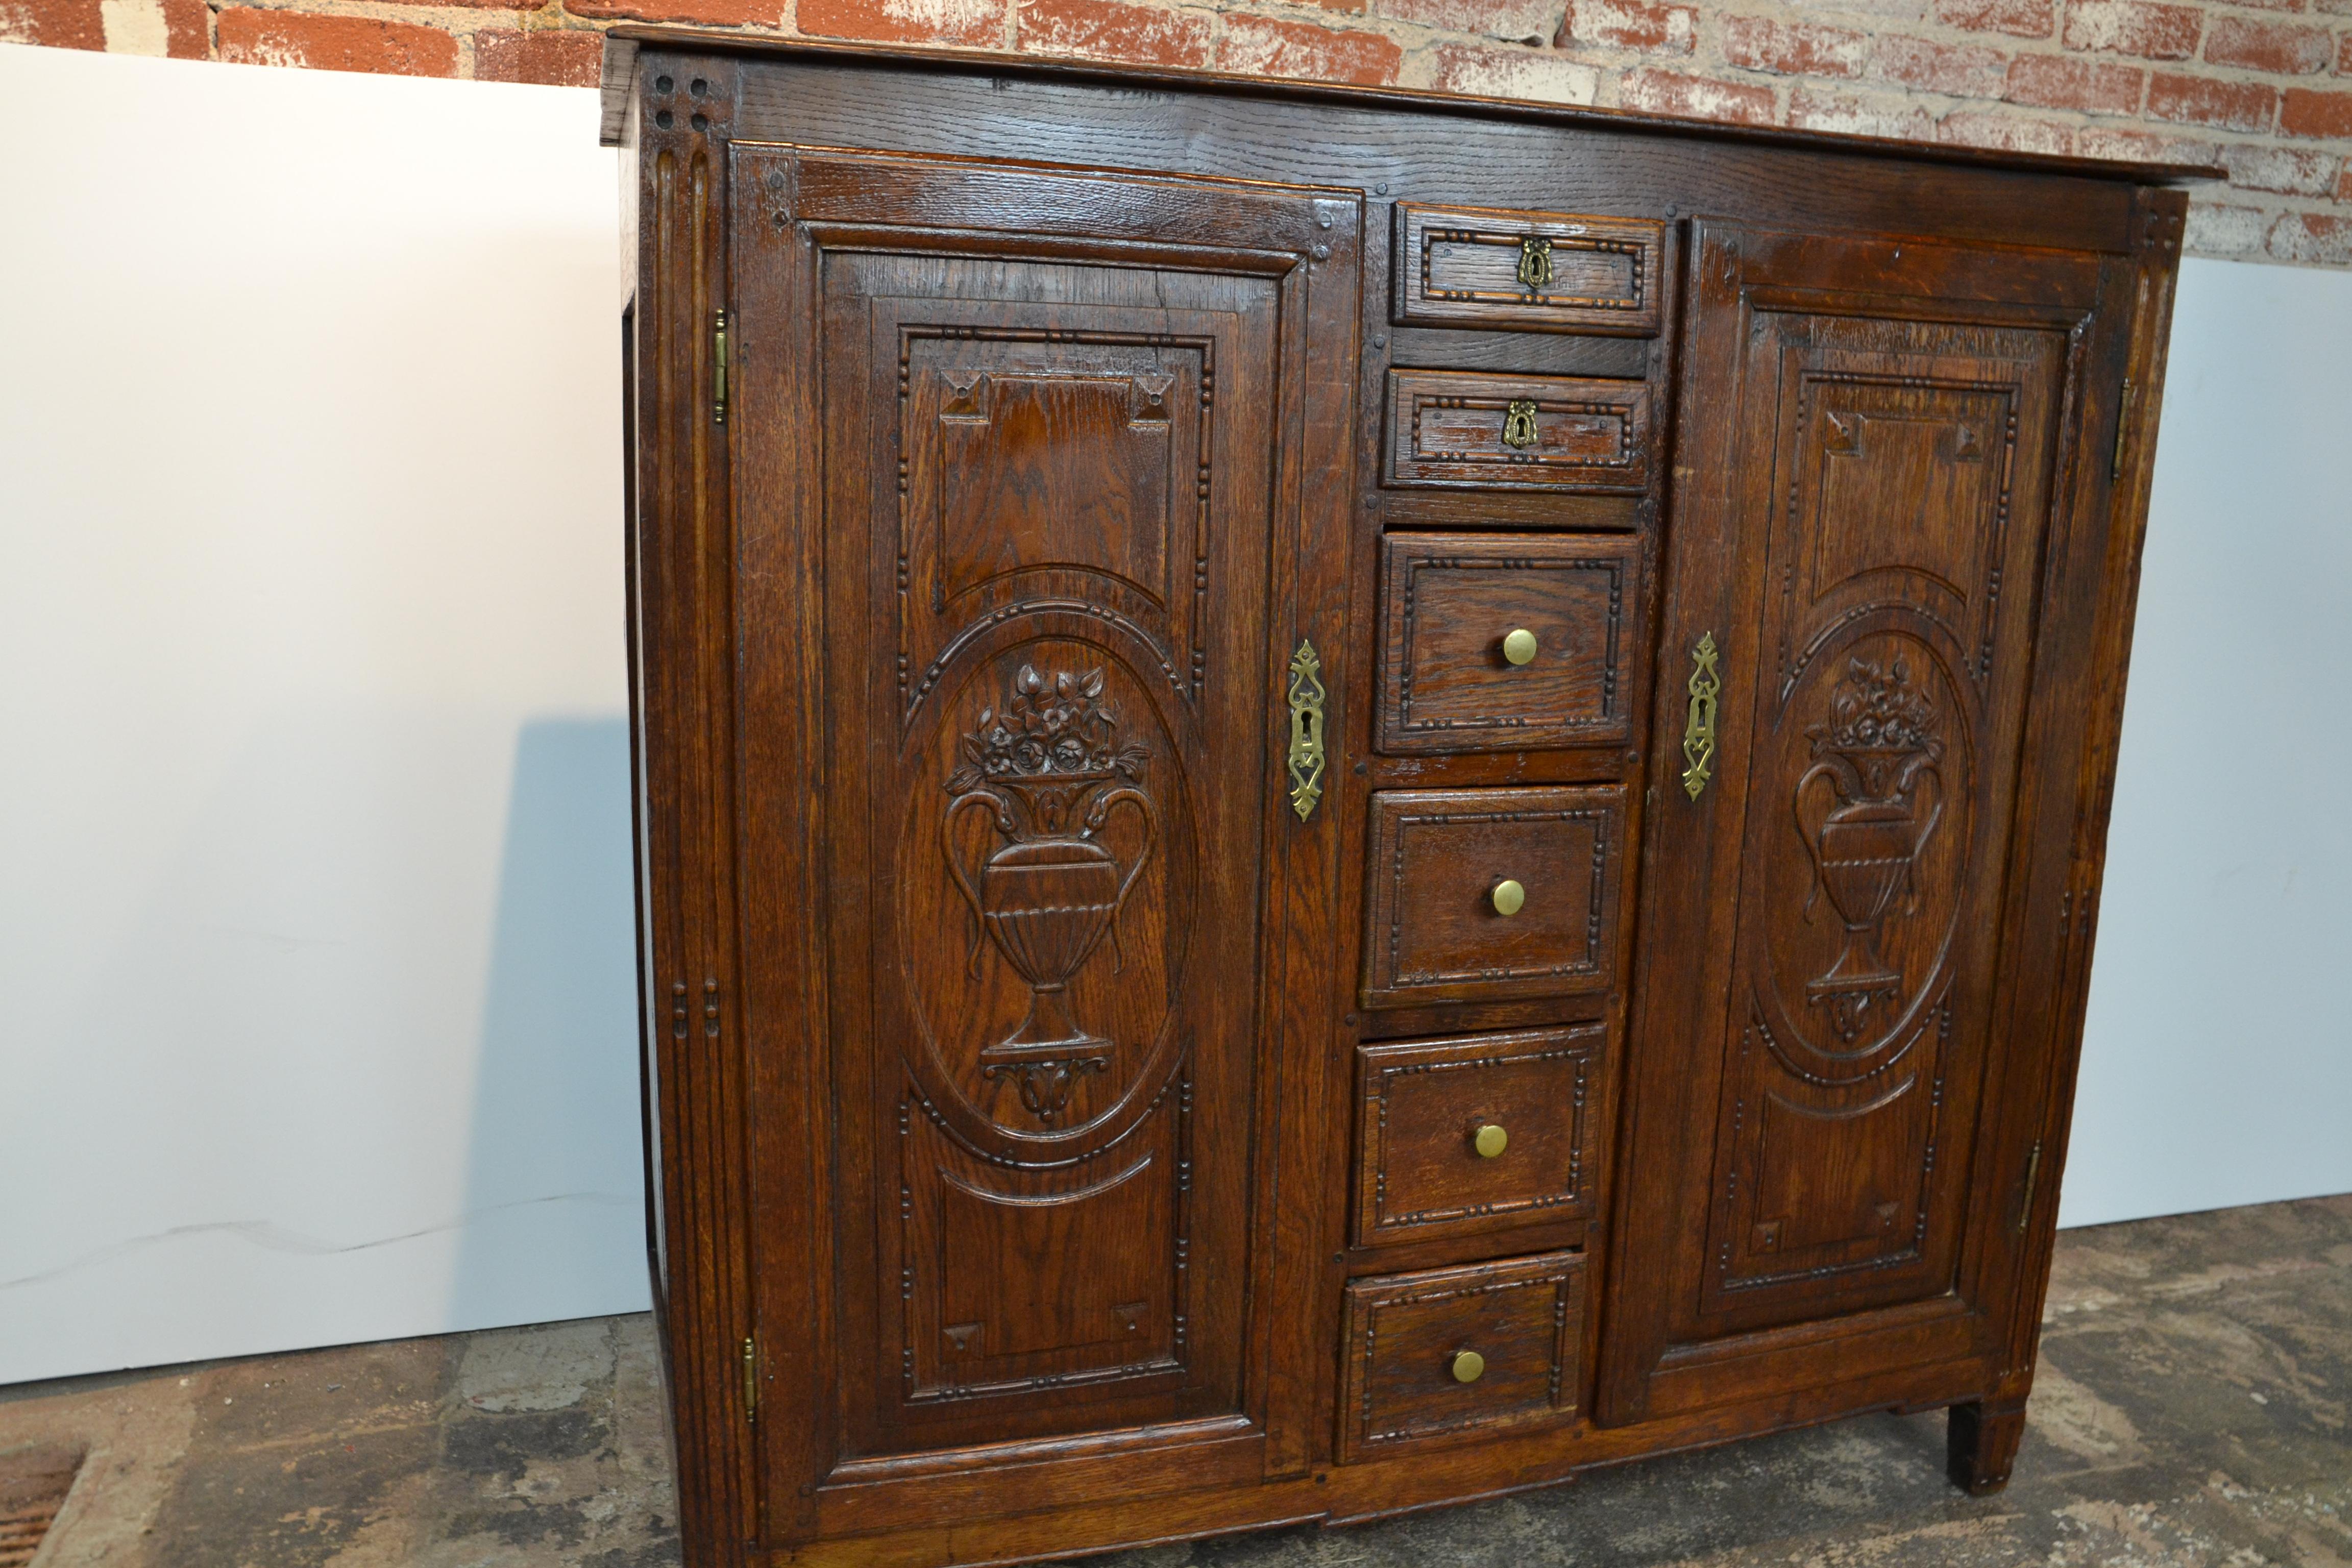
(2194,1410)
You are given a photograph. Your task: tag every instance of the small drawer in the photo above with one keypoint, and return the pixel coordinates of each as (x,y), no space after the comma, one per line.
(1568,272)
(1445,865)
(1469,430)
(1465,1136)
(1501,642)
(1410,1381)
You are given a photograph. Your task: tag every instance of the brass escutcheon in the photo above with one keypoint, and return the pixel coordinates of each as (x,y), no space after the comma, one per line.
(1306,759)
(1519,424)
(1535,262)
(1699,730)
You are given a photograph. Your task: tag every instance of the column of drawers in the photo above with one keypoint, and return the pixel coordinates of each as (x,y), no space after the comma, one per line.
(1519,501)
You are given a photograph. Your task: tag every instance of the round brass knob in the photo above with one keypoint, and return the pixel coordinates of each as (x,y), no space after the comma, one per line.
(1519,646)
(1489,1141)
(1507,897)
(1468,1366)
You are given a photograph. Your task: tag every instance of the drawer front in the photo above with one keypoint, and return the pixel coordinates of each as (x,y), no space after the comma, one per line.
(1451,605)
(1561,271)
(1523,1320)
(1452,429)
(1437,932)
(1461,1137)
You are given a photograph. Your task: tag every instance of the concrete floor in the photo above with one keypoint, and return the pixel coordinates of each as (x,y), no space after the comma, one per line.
(2192,1409)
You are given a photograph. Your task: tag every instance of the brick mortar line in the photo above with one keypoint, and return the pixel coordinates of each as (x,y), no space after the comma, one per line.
(1413,37)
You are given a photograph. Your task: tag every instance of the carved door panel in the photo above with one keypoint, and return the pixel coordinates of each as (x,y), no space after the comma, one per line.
(1061,453)
(1825,908)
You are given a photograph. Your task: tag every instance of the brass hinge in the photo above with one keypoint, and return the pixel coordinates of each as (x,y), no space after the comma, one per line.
(718,367)
(2123,429)
(751,1379)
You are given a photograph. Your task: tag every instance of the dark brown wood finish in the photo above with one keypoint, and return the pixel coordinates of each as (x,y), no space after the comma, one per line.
(691,1019)
(1450,601)
(1478,894)
(1478,431)
(1057,1139)
(1889,471)
(1066,447)
(1552,271)
(1459,1137)
(1461,1352)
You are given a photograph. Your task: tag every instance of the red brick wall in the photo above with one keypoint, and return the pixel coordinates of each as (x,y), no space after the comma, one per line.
(2262,86)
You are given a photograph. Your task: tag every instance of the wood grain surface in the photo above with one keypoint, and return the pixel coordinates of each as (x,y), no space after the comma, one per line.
(1057,1140)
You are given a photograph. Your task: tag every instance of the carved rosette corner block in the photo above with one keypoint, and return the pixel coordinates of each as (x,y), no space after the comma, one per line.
(1878,753)
(1048,769)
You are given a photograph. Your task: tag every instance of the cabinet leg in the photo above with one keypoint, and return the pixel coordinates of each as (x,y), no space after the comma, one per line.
(1980,1444)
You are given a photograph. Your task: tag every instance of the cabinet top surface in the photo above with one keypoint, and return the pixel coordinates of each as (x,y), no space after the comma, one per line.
(623,45)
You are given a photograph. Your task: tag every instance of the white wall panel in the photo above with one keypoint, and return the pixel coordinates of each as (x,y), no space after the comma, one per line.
(315,942)
(2217,1063)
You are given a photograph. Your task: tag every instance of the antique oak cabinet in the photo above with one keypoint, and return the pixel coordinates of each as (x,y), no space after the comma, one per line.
(1347,798)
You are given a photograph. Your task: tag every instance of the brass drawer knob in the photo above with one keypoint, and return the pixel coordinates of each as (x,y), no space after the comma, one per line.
(1509,896)
(1519,646)
(1468,1366)
(1489,1141)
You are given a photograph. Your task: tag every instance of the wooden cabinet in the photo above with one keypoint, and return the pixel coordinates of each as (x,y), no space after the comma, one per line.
(1347,798)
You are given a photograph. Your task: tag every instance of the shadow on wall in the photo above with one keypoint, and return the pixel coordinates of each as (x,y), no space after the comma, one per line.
(555,1152)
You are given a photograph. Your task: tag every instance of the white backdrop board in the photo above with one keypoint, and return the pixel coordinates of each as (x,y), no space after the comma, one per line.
(316,953)
(2217,1063)
(315,937)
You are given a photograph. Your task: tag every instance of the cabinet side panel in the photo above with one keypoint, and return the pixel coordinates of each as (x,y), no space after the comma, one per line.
(2093,586)
(640,847)
(694,1014)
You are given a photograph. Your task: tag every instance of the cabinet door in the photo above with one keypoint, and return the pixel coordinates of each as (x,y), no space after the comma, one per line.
(1878,460)
(1068,442)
